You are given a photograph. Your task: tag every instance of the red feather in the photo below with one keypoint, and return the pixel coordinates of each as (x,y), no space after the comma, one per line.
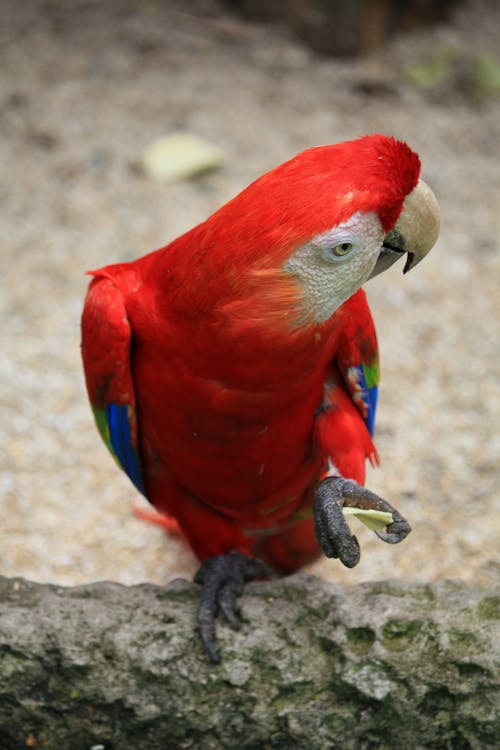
(239,409)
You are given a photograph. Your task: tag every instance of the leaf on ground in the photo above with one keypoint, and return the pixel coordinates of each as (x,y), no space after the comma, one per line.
(180,156)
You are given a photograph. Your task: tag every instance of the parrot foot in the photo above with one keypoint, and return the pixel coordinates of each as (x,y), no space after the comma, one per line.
(222,578)
(332,531)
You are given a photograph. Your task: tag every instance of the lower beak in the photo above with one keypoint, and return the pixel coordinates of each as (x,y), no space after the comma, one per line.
(414,233)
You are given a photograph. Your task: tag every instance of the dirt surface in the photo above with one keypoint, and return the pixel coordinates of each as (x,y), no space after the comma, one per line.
(84,88)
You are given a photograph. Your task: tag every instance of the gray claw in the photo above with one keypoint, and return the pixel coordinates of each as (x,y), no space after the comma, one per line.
(332,531)
(222,579)
(396,531)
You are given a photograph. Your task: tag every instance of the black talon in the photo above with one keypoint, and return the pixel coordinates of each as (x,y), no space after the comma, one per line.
(222,578)
(331,529)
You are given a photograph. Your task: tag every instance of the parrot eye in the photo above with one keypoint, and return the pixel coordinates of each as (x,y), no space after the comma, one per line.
(343,248)
(337,244)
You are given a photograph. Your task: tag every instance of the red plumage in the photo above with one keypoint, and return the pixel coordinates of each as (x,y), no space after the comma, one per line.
(235,409)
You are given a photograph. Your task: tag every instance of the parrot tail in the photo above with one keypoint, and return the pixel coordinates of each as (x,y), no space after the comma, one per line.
(158,519)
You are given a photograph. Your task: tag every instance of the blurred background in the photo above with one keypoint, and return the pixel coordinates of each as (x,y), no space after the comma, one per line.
(85,88)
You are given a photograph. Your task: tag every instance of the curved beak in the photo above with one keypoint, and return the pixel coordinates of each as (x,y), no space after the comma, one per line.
(414,233)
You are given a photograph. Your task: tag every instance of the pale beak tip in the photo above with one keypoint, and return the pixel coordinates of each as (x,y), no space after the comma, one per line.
(419,223)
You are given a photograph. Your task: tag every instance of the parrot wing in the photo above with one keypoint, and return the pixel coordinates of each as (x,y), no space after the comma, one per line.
(357,357)
(345,424)
(106,346)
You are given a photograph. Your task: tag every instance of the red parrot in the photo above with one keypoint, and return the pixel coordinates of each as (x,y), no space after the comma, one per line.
(233,373)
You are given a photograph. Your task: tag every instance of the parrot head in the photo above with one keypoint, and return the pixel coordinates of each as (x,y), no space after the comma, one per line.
(304,237)
(385,212)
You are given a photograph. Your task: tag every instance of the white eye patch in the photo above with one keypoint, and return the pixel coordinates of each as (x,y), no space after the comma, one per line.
(334,264)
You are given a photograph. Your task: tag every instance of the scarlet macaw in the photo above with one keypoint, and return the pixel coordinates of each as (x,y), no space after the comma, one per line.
(233,373)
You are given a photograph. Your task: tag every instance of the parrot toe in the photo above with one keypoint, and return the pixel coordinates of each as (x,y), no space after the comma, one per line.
(396,531)
(222,578)
(333,534)
(332,531)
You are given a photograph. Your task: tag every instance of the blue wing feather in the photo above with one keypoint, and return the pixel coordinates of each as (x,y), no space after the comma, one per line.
(122,445)
(369,396)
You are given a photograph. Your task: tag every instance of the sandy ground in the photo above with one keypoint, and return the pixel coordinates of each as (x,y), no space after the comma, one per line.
(84,88)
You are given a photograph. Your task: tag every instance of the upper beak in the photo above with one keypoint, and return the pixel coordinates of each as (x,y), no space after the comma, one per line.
(414,233)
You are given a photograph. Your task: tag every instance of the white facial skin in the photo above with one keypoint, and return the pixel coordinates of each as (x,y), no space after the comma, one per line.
(333,265)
